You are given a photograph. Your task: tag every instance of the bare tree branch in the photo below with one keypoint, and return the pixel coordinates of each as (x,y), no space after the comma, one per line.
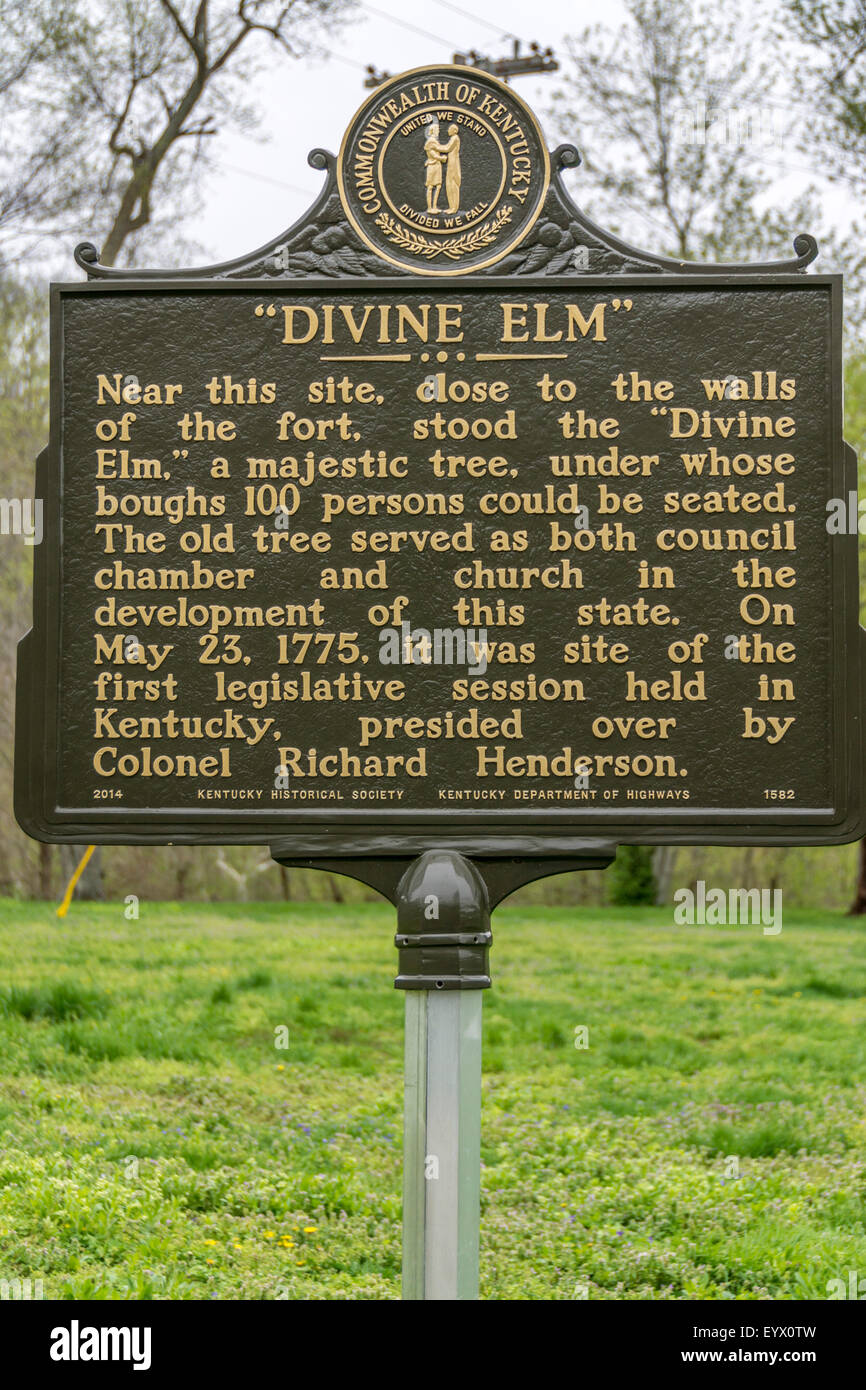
(141,85)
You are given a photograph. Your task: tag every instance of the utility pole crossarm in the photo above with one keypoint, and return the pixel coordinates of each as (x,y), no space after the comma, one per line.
(537,60)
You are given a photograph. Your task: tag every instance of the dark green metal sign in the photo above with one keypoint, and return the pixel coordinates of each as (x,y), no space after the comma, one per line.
(542,537)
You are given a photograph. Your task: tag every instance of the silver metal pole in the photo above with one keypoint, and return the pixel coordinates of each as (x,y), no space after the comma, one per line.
(442,1145)
(443,936)
(453,1160)
(414,1143)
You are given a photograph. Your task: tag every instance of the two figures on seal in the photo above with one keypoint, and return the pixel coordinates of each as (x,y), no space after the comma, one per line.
(441,157)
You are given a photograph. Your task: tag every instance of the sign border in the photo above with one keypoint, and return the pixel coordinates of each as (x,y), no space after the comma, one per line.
(362,831)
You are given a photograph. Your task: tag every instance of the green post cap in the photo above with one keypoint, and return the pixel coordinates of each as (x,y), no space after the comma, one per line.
(443,924)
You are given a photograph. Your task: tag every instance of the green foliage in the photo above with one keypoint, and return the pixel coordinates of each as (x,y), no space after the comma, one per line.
(631,878)
(23,434)
(157,1146)
(650,104)
(855,434)
(53,1002)
(23,382)
(680,139)
(831,74)
(855,404)
(107,109)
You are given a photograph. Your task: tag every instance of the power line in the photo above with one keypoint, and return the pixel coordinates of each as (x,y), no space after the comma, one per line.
(405,24)
(266,178)
(42,231)
(350,62)
(476,19)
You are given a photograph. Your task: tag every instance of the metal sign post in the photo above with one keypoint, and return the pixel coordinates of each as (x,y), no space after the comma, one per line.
(444,899)
(443,937)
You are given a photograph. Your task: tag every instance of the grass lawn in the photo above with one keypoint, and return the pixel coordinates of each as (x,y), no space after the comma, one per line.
(709,1143)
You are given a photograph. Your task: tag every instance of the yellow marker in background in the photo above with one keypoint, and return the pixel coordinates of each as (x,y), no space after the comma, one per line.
(82,865)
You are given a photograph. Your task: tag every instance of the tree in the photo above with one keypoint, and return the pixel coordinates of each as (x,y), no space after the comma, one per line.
(29,156)
(107,108)
(630,877)
(113,102)
(832,81)
(671,138)
(23,430)
(855,433)
(829,76)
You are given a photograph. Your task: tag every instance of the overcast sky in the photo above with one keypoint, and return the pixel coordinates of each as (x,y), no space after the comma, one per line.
(260,188)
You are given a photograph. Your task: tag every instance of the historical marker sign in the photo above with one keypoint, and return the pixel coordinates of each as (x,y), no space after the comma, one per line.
(446,510)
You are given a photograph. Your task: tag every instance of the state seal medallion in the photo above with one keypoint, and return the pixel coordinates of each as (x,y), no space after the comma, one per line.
(443,171)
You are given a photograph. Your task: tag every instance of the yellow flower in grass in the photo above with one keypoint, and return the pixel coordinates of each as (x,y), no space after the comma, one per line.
(269,1235)
(210,1242)
(309,1230)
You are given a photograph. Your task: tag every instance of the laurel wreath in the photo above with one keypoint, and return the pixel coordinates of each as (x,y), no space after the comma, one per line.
(454,248)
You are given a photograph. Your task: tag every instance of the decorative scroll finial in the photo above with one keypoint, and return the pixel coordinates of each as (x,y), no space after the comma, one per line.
(408,197)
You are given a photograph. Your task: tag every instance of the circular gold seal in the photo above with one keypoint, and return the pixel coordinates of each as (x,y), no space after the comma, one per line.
(443,170)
